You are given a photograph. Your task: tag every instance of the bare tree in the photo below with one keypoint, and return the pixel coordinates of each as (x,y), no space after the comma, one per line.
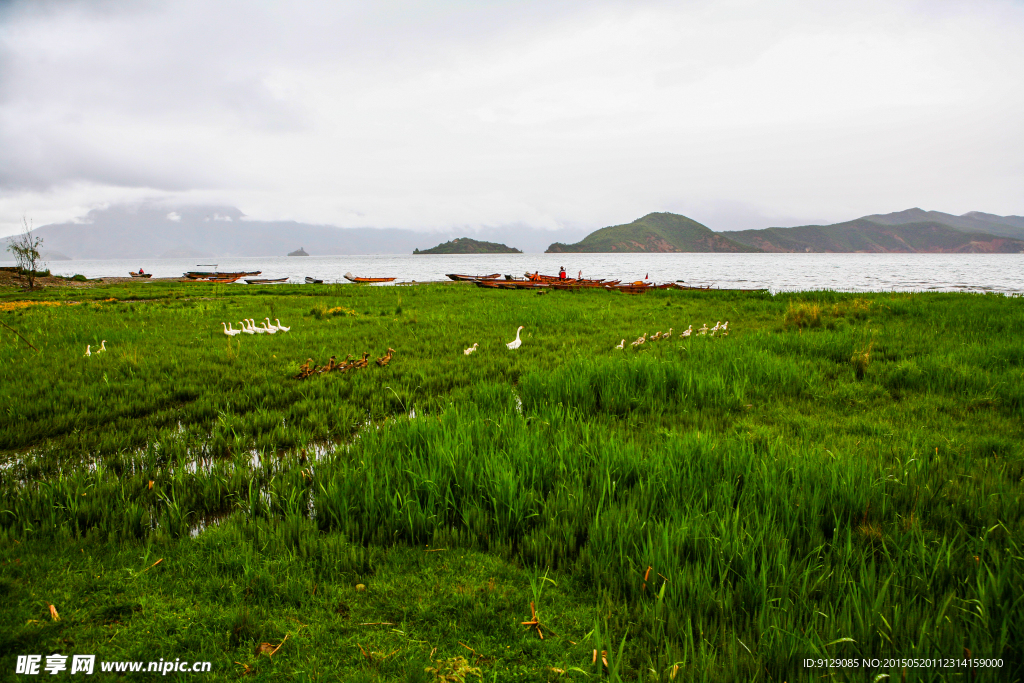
(25,248)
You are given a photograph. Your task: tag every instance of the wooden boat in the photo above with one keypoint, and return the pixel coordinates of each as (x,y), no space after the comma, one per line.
(574,284)
(537,277)
(206,275)
(312,281)
(264,281)
(470,278)
(638,287)
(134,274)
(363,280)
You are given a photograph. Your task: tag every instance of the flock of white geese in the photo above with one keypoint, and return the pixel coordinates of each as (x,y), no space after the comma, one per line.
(102,349)
(249,326)
(513,345)
(719,328)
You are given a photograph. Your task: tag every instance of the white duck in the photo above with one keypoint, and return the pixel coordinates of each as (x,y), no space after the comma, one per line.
(517,342)
(232,332)
(245,328)
(639,341)
(280,326)
(687,332)
(471,349)
(87,351)
(716,328)
(622,345)
(103,346)
(704,329)
(668,334)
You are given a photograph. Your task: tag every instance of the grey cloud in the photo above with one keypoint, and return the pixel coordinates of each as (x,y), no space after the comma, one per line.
(550,114)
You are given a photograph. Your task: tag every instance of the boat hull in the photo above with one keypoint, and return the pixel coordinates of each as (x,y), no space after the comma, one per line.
(469,278)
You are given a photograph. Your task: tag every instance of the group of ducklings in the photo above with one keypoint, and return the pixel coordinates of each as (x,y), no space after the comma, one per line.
(309,368)
(719,328)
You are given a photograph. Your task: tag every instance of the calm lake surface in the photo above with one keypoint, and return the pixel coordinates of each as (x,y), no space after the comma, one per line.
(776,272)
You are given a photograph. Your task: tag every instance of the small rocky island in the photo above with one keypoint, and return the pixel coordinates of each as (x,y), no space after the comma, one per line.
(298,252)
(465,245)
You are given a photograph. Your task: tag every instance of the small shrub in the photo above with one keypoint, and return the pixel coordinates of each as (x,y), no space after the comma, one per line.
(861,359)
(804,315)
(79,278)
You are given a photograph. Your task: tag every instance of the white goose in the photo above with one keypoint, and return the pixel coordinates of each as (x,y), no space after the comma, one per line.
(471,349)
(255,328)
(245,328)
(232,332)
(639,341)
(716,328)
(272,326)
(269,329)
(280,326)
(103,346)
(517,342)
(668,334)
(621,345)
(87,351)
(704,329)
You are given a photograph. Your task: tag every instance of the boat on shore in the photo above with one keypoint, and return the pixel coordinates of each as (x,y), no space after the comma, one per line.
(265,281)
(537,277)
(134,274)
(207,275)
(313,281)
(637,287)
(470,278)
(364,280)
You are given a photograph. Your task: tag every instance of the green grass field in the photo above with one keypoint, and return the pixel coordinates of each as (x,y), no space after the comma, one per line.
(841,476)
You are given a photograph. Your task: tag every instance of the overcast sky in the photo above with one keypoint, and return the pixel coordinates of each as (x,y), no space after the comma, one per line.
(471,113)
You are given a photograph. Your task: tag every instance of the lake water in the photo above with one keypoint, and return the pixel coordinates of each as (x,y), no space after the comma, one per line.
(776,272)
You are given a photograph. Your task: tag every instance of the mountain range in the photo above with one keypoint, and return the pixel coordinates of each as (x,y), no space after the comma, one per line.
(910,231)
(158,231)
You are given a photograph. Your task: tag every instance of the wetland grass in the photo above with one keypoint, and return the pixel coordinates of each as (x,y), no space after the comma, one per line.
(842,475)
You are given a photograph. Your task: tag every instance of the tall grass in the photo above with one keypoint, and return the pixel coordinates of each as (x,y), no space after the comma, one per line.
(741,501)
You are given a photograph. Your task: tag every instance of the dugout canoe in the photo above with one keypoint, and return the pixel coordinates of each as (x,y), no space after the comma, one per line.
(537,277)
(365,280)
(265,281)
(469,278)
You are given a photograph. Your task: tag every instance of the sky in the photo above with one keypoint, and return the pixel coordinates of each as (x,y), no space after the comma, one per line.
(551,114)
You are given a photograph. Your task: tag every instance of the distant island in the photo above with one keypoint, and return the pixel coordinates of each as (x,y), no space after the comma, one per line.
(465,245)
(299,252)
(655,232)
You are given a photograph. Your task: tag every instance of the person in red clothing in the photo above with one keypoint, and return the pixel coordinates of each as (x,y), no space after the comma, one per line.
(561,273)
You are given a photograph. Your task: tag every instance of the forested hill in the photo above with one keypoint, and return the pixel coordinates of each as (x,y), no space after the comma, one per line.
(655,232)
(866,235)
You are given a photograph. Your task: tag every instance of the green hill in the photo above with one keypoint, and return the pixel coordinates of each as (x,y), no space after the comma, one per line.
(465,245)
(866,235)
(655,232)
